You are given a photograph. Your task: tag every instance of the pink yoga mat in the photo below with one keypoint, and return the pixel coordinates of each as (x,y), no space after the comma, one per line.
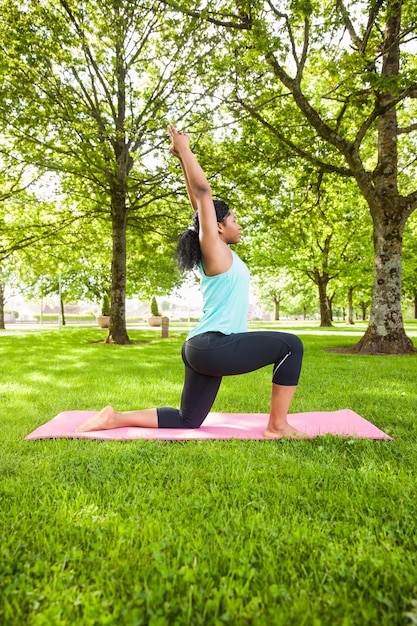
(345,423)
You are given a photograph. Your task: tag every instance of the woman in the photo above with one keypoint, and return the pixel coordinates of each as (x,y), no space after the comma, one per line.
(220,345)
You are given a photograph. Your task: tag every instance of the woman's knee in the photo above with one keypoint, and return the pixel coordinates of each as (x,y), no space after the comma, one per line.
(296,345)
(193,419)
(287,369)
(169,417)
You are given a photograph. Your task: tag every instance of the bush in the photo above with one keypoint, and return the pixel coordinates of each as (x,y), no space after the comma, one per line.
(105,306)
(15,313)
(53,317)
(154,307)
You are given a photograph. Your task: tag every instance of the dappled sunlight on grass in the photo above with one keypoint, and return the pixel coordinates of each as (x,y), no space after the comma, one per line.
(140,375)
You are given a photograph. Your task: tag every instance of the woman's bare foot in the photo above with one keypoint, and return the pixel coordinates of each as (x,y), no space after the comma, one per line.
(286,431)
(104,420)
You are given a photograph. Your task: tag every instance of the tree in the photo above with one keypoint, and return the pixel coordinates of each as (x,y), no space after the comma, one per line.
(288,296)
(26,221)
(90,89)
(273,285)
(335,85)
(317,231)
(22,220)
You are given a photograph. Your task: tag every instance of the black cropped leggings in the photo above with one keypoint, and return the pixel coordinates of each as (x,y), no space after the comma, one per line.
(210,356)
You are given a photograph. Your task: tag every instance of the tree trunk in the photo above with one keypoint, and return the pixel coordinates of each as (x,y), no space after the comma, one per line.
(330,303)
(388,208)
(61,304)
(390,211)
(325,313)
(415,307)
(385,333)
(118,185)
(349,319)
(117,329)
(276,308)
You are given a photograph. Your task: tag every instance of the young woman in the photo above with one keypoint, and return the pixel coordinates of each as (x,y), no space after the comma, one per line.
(220,345)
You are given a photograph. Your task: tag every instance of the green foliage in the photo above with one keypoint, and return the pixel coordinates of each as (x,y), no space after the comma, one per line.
(310,231)
(51,317)
(88,91)
(310,76)
(102,83)
(410,258)
(152,267)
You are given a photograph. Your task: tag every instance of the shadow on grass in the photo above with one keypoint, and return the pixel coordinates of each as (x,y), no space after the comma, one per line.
(46,373)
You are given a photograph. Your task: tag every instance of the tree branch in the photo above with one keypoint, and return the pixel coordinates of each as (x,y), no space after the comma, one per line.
(324,130)
(16,188)
(284,16)
(325,167)
(33,238)
(242,21)
(356,40)
(88,53)
(406,129)
(373,13)
(410,202)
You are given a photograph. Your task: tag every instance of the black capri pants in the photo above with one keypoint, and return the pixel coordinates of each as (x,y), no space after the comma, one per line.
(210,356)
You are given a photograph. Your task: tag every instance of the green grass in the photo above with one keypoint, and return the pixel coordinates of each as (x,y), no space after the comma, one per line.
(318,532)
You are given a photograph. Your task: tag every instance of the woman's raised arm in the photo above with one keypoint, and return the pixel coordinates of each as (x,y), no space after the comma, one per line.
(213,251)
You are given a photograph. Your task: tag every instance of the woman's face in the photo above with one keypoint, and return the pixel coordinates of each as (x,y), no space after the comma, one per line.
(229,229)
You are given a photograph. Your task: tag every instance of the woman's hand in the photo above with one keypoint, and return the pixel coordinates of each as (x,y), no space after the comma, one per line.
(179,141)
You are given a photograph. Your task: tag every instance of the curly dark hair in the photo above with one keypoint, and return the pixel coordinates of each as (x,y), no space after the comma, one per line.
(188,252)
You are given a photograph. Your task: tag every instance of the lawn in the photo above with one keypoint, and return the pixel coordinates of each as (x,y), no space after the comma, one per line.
(320,532)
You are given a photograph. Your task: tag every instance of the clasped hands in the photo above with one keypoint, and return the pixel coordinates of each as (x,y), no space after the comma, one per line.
(179,140)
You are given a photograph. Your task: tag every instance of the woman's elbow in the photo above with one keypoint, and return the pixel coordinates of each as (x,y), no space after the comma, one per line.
(203,190)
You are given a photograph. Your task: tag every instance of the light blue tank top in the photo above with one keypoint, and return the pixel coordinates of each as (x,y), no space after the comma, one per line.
(225,300)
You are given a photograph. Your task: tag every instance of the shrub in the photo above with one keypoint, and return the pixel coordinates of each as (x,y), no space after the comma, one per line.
(105,307)
(154,307)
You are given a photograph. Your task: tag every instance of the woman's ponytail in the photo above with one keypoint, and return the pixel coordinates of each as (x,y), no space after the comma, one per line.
(188,252)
